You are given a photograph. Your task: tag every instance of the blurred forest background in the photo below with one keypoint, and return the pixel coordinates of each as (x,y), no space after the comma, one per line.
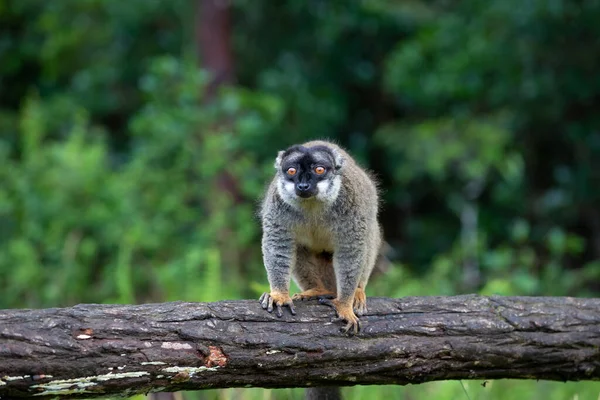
(137,136)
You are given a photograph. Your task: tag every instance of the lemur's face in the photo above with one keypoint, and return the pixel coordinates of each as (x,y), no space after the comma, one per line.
(308,172)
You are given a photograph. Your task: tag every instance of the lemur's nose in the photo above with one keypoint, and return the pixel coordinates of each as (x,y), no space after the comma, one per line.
(303,186)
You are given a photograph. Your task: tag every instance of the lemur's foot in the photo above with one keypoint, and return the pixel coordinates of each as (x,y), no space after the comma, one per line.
(360,302)
(345,313)
(279,299)
(312,294)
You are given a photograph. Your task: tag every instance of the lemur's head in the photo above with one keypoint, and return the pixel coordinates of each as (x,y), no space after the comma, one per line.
(309,172)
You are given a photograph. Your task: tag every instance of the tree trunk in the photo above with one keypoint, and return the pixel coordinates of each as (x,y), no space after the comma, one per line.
(213,41)
(108,350)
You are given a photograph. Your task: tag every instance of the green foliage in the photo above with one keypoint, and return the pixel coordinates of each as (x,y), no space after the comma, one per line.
(465,150)
(121,180)
(445,390)
(84,228)
(491,127)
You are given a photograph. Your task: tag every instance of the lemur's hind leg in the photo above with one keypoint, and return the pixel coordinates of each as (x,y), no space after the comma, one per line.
(313,272)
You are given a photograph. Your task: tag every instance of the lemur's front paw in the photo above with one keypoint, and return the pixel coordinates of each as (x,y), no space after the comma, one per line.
(312,294)
(279,299)
(344,313)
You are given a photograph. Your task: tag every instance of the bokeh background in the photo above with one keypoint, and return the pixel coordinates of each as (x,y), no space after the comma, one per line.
(137,136)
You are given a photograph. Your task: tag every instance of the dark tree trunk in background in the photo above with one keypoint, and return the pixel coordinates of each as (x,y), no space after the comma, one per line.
(213,46)
(213,41)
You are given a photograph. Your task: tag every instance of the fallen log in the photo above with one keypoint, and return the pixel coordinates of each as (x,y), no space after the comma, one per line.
(94,350)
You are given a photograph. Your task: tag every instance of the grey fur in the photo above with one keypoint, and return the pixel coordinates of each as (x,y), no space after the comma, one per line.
(299,234)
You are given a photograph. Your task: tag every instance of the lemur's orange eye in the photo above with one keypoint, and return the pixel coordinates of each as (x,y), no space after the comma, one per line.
(291,171)
(319,170)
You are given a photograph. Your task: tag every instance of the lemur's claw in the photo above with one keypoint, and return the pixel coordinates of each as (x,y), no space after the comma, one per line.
(344,313)
(278,299)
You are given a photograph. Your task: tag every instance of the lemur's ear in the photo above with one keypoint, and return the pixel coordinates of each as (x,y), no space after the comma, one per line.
(278,159)
(338,159)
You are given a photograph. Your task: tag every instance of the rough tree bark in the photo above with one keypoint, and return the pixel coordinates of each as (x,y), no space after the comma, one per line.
(100,350)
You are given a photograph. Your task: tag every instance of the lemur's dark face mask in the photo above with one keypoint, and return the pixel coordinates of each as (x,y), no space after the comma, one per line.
(308,174)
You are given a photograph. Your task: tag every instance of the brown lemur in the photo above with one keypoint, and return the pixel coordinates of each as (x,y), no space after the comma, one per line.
(319,220)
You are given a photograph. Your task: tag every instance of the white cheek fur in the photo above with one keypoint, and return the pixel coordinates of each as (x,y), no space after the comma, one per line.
(329,190)
(290,187)
(323,187)
(286,190)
